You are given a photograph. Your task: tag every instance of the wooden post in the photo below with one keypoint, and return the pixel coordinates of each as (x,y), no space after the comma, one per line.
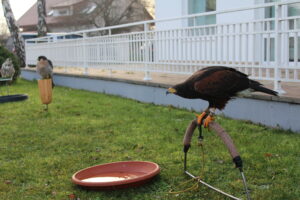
(45,87)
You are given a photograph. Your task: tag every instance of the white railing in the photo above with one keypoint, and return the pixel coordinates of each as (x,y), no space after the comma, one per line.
(264,48)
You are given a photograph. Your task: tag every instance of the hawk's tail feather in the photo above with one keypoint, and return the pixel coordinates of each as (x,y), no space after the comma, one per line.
(260,88)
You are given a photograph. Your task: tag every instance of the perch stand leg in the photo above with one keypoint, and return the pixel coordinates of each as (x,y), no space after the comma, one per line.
(232,150)
(245,184)
(229,144)
(185,159)
(7,88)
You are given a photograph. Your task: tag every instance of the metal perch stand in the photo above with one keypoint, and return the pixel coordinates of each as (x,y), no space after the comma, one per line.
(230,146)
(6,83)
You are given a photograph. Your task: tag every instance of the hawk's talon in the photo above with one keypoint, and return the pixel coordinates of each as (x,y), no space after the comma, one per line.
(207,120)
(201,117)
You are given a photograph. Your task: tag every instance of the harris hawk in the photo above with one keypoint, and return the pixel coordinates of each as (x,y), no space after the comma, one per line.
(7,70)
(217,85)
(44,68)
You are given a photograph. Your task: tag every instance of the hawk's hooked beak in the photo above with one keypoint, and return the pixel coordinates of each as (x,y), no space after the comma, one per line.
(171,90)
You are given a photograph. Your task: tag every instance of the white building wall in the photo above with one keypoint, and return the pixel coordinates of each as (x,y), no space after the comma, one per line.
(234,17)
(165,9)
(175,8)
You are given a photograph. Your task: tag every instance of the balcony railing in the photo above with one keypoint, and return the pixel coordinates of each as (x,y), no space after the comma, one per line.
(264,48)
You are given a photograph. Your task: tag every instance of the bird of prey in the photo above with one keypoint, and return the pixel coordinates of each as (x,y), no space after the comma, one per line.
(217,85)
(44,68)
(7,69)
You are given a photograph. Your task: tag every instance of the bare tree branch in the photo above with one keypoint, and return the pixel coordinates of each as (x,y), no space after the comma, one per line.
(14,31)
(125,12)
(4,34)
(116,12)
(41,10)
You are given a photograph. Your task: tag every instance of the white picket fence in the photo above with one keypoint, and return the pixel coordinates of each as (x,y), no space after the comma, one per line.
(264,48)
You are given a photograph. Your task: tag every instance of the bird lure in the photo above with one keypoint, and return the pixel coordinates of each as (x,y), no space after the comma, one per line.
(227,141)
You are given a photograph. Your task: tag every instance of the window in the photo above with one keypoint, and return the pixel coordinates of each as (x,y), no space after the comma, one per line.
(200,6)
(63,12)
(294,24)
(269,13)
(50,13)
(269,44)
(92,8)
(89,9)
(294,9)
(269,56)
(210,5)
(292,49)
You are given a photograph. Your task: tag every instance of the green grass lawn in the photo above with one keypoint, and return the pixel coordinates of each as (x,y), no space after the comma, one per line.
(40,151)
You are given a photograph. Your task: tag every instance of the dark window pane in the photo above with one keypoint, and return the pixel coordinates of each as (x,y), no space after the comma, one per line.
(200,6)
(292,49)
(294,9)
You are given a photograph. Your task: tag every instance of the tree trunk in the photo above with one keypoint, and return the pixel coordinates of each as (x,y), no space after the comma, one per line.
(14,32)
(41,26)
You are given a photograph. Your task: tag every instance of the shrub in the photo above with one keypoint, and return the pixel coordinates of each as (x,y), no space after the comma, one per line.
(4,54)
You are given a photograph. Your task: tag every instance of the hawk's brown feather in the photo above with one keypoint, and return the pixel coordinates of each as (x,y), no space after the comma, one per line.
(217,85)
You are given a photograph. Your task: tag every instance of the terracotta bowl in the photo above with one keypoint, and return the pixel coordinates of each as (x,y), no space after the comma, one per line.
(116,175)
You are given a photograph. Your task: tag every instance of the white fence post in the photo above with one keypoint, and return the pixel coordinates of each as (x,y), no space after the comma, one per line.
(107,54)
(278,56)
(146,61)
(55,40)
(26,59)
(86,72)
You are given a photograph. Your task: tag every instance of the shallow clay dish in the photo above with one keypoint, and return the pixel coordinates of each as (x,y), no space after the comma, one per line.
(116,175)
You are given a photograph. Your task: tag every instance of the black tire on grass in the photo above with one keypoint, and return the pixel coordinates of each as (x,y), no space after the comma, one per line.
(13,98)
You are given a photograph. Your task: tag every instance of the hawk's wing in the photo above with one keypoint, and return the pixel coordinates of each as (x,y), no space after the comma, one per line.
(44,69)
(50,63)
(221,82)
